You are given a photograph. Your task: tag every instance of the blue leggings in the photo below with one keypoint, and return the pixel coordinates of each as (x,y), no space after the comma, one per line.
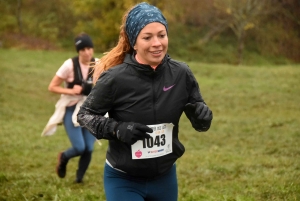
(82,143)
(120,186)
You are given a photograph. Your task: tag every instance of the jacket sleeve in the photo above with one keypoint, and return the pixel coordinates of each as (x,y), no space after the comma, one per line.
(195,96)
(97,104)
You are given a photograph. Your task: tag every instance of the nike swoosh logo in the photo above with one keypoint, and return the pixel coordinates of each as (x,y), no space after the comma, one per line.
(168,88)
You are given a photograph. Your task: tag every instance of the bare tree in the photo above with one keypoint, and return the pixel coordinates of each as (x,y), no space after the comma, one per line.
(240,16)
(19,17)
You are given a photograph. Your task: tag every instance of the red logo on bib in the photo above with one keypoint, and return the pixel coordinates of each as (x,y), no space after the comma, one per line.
(138,153)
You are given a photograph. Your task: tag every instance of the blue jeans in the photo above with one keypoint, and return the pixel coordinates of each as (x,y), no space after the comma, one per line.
(82,143)
(120,186)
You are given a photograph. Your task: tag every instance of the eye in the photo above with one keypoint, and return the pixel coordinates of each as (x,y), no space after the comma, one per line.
(162,35)
(146,38)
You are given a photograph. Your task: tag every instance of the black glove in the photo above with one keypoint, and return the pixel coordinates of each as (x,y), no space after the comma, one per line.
(130,132)
(199,114)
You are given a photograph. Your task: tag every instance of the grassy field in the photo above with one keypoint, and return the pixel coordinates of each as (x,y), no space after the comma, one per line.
(251,152)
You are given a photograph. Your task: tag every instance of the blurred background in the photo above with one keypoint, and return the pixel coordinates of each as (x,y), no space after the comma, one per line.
(244,53)
(249,32)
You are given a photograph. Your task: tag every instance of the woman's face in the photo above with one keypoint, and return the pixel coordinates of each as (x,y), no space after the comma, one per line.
(86,54)
(152,44)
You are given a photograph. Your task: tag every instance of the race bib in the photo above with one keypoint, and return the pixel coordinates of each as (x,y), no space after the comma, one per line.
(159,144)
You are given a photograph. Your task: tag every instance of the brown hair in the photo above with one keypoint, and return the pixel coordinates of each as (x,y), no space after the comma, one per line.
(116,55)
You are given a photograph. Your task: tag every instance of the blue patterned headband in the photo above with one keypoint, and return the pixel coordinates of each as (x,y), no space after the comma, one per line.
(141,15)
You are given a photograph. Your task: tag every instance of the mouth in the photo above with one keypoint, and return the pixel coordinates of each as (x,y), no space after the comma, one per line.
(156,53)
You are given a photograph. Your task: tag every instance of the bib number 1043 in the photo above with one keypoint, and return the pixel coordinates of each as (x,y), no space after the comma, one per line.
(159,140)
(158,144)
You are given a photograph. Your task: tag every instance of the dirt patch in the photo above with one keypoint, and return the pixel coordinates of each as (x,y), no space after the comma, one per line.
(26,42)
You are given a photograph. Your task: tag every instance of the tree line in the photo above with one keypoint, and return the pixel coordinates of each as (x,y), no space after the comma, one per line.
(268,27)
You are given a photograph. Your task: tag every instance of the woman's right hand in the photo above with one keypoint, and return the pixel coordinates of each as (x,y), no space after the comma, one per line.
(77,89)
(130,132)
(55,87)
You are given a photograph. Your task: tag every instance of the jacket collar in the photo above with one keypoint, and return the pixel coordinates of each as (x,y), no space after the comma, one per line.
(145,69)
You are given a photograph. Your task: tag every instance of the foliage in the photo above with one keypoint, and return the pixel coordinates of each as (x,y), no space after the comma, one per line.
(250,22)
(251,152)
(102,19)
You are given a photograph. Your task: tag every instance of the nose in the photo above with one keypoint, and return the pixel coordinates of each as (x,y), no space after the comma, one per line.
(156,41)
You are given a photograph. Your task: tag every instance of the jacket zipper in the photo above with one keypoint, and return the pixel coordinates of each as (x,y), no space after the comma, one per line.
(154,108)
(153,94)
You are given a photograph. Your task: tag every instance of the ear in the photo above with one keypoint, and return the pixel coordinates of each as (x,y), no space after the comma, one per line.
(134,47)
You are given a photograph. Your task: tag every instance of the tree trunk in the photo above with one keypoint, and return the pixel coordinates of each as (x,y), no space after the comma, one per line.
(19,18)
(240,48)
(214,31)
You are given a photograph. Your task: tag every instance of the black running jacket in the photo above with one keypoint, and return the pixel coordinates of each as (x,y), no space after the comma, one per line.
(133,92)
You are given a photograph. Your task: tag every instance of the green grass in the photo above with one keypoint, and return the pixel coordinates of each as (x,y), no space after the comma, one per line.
(251,152)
